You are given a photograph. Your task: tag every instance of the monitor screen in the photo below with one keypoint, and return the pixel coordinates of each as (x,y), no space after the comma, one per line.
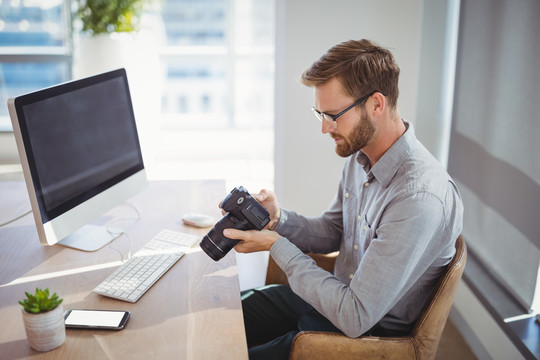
(78,142)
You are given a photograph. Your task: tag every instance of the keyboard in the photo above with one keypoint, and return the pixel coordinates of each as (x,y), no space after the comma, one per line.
(133,278)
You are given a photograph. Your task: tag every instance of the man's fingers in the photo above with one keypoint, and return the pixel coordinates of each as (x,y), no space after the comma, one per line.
(259,197)
(234,234)
(263,195)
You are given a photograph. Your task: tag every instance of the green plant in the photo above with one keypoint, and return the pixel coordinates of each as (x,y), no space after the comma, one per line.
(40,301)
(107,16)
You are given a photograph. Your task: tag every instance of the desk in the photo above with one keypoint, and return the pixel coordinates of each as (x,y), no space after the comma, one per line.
(192,312)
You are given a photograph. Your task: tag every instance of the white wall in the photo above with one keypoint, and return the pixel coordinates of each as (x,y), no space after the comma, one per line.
(307,170)
(436,76)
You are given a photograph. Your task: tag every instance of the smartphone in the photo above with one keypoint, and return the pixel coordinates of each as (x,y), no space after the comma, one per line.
(96,319)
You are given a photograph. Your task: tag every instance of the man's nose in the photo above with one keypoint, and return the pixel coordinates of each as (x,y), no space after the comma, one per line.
(328,126)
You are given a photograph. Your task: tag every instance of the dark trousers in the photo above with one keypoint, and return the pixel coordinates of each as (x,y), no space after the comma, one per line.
(273,315)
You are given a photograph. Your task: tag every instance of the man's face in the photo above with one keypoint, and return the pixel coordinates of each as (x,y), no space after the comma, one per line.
(360,135)
(354,129)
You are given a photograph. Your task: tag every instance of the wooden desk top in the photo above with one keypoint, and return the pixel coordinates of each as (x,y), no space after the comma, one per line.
(192,312)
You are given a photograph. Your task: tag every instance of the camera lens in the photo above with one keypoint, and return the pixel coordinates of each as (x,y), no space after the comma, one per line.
(243,213)
(213,250)
(214,244)
(210,249)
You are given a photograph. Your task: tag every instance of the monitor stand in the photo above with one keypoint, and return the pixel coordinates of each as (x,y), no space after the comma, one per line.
(91,237)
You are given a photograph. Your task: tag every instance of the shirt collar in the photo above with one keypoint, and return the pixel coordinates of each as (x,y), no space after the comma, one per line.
(387,166)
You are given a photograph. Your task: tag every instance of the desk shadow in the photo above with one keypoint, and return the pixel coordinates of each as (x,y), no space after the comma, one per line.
(22,252)
(17,349)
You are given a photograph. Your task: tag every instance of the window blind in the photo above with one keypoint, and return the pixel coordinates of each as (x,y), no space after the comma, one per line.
(495,137)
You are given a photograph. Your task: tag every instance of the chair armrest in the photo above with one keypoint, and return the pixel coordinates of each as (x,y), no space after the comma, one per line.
(325,261)
(274,274)
(316,345)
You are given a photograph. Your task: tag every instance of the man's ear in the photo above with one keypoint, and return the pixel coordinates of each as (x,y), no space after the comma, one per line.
(378,104)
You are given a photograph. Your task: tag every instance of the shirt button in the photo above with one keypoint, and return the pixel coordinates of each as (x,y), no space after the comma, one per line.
(365,227)
(351,276)
(355,247)
(347,195)
(366,184)
(359,218)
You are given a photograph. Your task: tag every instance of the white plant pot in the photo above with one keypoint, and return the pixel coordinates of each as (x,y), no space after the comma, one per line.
(45,331)
(104,52)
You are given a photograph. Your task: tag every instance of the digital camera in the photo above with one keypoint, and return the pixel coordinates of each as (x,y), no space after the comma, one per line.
(243,213)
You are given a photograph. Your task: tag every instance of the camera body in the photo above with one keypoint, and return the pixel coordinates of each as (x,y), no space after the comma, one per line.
(243,213)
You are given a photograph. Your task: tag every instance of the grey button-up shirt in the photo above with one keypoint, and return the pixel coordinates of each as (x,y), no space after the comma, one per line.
(395,225)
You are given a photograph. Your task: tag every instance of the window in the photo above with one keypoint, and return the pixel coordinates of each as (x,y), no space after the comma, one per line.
(217,61)
(34,45)
(219,91)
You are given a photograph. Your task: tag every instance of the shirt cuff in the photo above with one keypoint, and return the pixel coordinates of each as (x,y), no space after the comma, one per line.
(284,215)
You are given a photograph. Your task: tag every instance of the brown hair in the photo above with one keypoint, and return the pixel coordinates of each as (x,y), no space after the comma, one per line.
(361,66)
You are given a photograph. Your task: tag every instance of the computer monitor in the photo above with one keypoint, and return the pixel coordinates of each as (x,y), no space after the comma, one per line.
(80,155)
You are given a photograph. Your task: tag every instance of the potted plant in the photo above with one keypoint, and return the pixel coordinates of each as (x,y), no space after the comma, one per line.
(107,35)
(43,317)
(104,17)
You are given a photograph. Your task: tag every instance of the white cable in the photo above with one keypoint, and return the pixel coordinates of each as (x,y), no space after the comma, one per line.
(119,232)
(15,219)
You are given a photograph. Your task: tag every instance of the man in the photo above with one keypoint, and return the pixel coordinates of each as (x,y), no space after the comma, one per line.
(394,220)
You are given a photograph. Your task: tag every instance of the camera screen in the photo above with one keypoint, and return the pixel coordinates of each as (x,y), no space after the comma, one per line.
(258,213)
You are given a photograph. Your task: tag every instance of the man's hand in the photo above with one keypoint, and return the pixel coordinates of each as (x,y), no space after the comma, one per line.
(269,201)
(252,240)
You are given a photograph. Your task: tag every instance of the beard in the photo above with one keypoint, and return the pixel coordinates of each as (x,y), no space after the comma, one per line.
(360,136)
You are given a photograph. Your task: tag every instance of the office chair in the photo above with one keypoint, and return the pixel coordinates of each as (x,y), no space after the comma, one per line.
(421,343)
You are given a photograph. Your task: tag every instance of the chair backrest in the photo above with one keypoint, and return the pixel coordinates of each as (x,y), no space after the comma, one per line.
(428,329)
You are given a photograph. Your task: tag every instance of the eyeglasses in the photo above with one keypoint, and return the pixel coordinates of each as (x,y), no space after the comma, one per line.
(332,118)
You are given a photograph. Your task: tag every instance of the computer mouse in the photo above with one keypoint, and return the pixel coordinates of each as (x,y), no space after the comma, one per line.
(198,220)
